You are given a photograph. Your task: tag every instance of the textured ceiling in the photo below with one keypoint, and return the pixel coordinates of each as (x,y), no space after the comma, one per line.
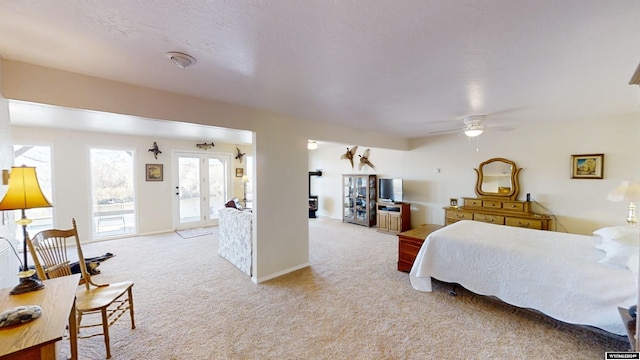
(408,67)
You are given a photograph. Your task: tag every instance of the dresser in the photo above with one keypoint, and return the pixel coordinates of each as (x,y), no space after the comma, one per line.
(497,211)
(497,188)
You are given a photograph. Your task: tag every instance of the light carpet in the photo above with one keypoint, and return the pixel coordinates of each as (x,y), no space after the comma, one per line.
(351,303)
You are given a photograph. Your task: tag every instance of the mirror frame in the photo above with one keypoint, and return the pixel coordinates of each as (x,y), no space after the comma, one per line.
(515,188)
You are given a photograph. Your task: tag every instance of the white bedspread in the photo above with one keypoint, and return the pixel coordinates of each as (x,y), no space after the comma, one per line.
(555,273)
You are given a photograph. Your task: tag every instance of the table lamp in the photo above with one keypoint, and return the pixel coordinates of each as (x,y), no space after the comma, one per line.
(24,193)
(627,191)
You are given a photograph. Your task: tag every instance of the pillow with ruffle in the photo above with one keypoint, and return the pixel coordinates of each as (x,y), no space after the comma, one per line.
(629,235)
(617,253)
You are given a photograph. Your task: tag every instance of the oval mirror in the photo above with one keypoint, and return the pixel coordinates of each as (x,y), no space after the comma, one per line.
(498,177)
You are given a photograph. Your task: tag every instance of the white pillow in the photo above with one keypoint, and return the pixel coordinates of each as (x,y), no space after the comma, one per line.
(617,253)
(632,264)
(629,235)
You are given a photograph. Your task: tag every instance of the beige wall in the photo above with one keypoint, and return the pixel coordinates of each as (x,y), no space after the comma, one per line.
(543,153)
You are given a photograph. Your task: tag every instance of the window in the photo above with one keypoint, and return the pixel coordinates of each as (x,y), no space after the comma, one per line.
(112,192)
(40,158)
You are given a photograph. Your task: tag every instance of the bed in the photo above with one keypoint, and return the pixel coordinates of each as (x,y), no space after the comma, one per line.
(576,279)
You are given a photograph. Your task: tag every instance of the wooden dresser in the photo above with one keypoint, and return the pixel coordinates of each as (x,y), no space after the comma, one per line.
(497,211)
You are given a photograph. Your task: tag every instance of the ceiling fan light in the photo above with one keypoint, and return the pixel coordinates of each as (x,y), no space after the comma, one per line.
(181,60)
(473,132)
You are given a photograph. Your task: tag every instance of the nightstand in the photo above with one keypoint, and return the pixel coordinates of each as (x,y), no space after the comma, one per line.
(410,242)
(630,325)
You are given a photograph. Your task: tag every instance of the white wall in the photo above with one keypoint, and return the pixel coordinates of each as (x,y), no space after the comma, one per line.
(70,160)
(543,153)
(280,187)
(8,262)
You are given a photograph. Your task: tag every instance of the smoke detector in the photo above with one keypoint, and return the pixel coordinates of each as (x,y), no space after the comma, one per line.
(181,60)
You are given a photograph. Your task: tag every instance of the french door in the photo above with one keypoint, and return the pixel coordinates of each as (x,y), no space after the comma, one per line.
(201,188)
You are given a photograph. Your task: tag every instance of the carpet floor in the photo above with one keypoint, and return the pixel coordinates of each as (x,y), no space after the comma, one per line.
(351,303)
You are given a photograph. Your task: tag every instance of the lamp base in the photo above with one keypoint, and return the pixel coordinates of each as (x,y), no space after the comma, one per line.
(29,281)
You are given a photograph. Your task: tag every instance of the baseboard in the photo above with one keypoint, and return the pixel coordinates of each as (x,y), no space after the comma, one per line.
(279,273)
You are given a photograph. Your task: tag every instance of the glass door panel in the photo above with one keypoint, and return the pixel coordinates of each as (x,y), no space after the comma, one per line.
(217,186)
(202,188)
(189,189)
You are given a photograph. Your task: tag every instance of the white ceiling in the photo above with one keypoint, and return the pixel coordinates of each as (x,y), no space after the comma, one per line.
(407,67)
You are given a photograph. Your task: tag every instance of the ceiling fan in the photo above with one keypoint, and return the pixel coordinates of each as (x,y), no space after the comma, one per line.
(474,125)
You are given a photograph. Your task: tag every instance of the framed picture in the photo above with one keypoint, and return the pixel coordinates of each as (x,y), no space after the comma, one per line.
(239,172)
(154,172)
(453,202)
(588,166)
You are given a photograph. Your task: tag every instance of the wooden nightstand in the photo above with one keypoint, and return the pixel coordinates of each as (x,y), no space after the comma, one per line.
(409,243)
(630,325)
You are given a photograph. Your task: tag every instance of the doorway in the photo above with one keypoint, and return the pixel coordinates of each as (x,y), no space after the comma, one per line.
(202,187)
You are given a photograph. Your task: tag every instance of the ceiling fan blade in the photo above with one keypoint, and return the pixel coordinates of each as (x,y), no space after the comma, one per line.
(446,131)
(500,128)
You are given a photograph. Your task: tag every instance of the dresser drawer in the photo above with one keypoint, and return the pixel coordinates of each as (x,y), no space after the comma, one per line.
(525,223)
(473,202)
(459,215)
(492,204)
(513,206)
(493,219)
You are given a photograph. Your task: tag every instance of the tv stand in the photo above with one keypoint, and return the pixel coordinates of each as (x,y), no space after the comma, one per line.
(393,218)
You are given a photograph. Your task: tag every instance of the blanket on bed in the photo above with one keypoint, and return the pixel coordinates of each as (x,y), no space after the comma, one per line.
(558,274)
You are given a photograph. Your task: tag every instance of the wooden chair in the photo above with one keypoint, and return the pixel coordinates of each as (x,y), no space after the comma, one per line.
(49,251)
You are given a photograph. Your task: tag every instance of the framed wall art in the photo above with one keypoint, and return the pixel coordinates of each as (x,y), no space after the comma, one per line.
(154,172)
(589,166)
(239,172)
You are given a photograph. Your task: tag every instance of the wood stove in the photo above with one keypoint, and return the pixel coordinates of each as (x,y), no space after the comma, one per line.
(313,199)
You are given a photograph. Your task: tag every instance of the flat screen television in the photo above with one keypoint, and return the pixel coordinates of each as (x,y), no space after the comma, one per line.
(390,190)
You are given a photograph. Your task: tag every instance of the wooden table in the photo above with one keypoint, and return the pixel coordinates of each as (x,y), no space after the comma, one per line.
(410,242)
(36,339)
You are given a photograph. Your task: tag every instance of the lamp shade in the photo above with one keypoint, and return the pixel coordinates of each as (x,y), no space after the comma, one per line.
(24,191)
(245,179)
(626,191)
